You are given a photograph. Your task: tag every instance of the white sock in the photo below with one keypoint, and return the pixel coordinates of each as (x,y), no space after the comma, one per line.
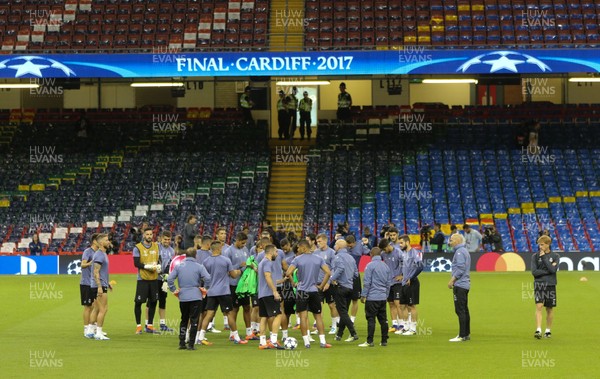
(306,340)
(162,321)
(297,319)
(225,321)
(273,338)
(202,335)
(210,325)
(413,326)
(322,338)
(236,336)
(547,330)
(394,322)
(263,339)
(539,330)
(98,330)
(335,321)
(353,318)
(146,322)
(248,331)
(255,325)
(409,317)
(284,334)
(85,329)
(187,335)
(231,333)
(401,323)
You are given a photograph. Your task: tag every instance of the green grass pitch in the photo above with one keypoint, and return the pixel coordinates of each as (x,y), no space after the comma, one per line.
(41,336)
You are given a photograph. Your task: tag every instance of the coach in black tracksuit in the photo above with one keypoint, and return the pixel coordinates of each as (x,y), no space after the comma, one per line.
(544,265)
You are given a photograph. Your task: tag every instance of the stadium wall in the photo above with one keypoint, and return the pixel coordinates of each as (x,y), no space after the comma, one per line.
(434,262)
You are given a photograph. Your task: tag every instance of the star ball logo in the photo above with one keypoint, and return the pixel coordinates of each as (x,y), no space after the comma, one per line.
(30,66)
(502,61)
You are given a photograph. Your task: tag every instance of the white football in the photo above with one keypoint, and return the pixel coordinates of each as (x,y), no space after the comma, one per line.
(290,343)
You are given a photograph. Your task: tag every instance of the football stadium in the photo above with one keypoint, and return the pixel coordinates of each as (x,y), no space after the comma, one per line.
(192,185)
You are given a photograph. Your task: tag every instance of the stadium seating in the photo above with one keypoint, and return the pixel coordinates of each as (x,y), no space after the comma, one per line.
(450,24)
(55,186)
(123,25)
(371,179)
(170,26)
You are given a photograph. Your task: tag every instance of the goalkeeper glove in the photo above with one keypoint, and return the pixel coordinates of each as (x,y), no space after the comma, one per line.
(165,287)
(149,267)
(158,268)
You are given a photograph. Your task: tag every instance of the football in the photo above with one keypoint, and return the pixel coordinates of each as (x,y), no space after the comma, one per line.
(290,343)
(74,267)
(441,264)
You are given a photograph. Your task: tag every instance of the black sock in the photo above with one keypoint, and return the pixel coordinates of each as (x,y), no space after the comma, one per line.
(138,313)
(151,312)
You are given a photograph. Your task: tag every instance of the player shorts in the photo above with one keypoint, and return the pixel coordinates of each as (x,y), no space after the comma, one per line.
(327,296)
(268,307)
(223,301)
(162,296)
(146,290)
(94,292)
(238,301)
(254,301)
(84,291)
(308,301)
(409,294)
(545,294)
(356,288)
(289,298)
(395,292)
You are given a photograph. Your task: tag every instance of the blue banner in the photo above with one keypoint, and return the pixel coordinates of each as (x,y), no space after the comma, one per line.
(28,265)
(407,60)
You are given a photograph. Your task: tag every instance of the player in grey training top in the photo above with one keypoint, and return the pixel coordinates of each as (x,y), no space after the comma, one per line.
(89,311)
(269,298)
(344,271)
(327,253)
(190,275)
(460,284)
(219,293)
(238,254)
(309,267)
(99,283)
(544,266)
(374,294)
